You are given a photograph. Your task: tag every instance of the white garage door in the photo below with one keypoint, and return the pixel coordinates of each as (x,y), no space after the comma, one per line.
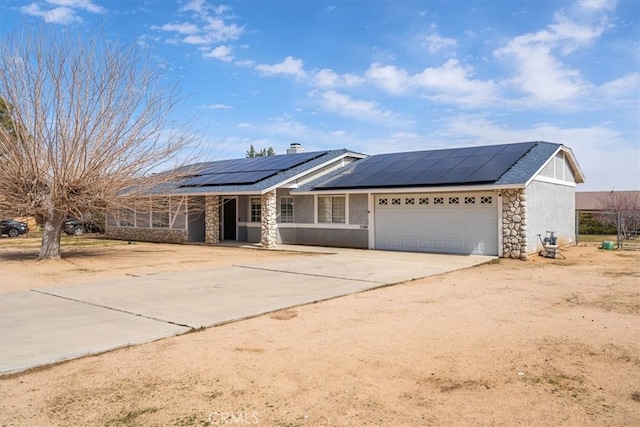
(446,223)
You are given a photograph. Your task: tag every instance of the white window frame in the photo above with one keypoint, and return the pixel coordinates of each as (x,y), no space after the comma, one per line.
(127,217)
(332,220)
(161,215)
(286,209)
(255,216)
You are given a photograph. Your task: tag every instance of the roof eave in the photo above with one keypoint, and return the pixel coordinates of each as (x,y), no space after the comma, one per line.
(423,189)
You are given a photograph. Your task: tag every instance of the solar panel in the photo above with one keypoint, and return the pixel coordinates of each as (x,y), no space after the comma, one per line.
(245,171)
(437,167)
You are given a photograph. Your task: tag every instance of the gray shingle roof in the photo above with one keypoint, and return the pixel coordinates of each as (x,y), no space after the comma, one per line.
(523,170)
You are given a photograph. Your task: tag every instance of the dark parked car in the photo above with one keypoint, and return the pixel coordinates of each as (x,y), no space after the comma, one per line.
(13,228)
(77,227)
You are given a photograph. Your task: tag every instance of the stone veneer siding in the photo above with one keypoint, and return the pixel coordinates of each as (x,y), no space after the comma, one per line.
(269,214)
(156,235)
(514,224)
(211,219)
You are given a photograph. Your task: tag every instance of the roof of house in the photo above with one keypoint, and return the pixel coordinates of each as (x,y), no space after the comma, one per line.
(505,164)
(596,200)
(254,174)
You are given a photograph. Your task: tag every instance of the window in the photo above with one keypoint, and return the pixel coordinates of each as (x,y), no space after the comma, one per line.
(424,200)
(160,214)
(409,201)
(454,200)
(382,201)
(485,200)
(127,217)
(395,201)
(331,209)
(286,209)
(438,200)
(469,200)
(256,210)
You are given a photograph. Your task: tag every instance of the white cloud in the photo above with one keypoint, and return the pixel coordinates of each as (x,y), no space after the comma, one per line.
(435,42)
(538,58)
(539,73)
(452,82)
(245,63)
(329,78)
(347,106)
(570,35)
(218,107)
(623,91)
(58,15)
(206,29)
(388,77)
(598,5)
(87,5)
(183,28)
(197,6)
(453,78)
(217,30)
(222,53)
(196,39)
(65,11)
(244,125)
(627,85)
(220,9)
(290,66)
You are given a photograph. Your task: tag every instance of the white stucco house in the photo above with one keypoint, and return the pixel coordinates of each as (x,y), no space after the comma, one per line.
(492,200)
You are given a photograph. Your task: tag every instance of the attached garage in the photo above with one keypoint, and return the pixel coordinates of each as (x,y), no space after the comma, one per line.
(457,223)
(494,200)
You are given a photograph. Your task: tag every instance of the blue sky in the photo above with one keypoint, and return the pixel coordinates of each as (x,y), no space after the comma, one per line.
(384,76)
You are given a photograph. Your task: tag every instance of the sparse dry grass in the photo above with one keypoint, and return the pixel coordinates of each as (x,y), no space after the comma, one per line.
(542,342)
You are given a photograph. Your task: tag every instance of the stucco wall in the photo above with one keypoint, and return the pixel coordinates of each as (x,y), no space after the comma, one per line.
(156,235)
(550,207)
(345,238)
(359,209)
(242,233)
(303,209)
(253,234)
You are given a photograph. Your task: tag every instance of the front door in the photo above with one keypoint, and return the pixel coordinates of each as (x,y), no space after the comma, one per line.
(229,219)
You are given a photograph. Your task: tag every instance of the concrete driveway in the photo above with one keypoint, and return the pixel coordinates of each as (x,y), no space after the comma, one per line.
(44,326)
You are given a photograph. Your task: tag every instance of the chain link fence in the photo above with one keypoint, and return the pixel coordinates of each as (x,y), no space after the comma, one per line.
(625,226)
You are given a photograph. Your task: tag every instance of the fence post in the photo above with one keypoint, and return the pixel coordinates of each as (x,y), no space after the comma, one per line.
(619,230)
(577,226)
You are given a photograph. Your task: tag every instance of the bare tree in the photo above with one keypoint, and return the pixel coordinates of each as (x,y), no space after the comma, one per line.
(623,204)
(90,120)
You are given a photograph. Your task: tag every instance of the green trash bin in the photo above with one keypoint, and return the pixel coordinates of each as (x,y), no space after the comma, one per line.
(608,245)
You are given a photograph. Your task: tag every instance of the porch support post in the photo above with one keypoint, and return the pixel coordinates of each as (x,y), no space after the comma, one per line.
(211,219)
(268,232)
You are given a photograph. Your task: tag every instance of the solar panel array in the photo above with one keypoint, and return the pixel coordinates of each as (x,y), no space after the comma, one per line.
(428,168)
(246,171)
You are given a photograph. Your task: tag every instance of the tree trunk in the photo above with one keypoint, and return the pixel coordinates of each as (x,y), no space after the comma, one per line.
(50,248)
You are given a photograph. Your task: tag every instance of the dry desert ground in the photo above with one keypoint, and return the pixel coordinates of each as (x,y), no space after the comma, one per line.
(539,342)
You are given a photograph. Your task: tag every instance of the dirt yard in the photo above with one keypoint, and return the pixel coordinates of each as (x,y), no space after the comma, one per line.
(542,342)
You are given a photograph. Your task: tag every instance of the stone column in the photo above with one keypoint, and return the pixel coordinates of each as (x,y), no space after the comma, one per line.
(211,219)
(268,232)
(514,224)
